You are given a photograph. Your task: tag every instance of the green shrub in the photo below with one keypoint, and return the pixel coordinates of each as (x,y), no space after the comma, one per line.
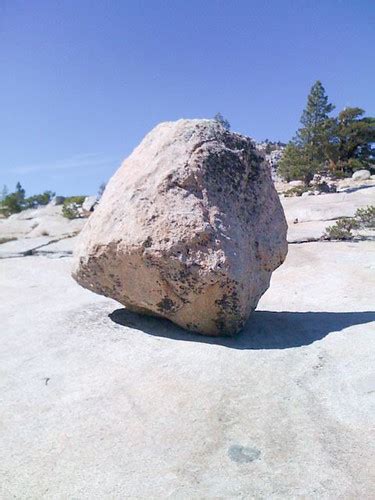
(39,199)
(340,174)
(355,164)
(342,230)
(11,205)
(297,164)
(366,216)
(296,191)
(322,187)
(71,206)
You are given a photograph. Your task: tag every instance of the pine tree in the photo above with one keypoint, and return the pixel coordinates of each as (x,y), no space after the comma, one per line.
(220,118)
(20,192)
(314,116)
(314,120)
(101,189)
(304,156)
(4,193)
(349,142)
(297,163)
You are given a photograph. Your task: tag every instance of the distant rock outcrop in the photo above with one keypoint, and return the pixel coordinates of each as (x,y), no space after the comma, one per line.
(89,204)
(272,152)
(361,175)
(189,228)
(57,200)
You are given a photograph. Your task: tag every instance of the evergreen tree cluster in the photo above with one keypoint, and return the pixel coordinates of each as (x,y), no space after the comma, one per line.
(325,144)
(12,203)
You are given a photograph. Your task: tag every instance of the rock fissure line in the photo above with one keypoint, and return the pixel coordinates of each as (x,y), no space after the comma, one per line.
(31,251)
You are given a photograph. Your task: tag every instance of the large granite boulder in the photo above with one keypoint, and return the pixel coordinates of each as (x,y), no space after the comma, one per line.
(189,228)
(361,175)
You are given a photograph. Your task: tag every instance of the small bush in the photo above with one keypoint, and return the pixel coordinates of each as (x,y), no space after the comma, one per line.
(355,164)
(296,191)
(322,187)
(341,231)
(341,174)
(366,216)
(39,199)
(71,207)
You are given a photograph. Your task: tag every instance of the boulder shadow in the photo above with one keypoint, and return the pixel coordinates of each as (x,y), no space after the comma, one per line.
(264,329)
(353,189)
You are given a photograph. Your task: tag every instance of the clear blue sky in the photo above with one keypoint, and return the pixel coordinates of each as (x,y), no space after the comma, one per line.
(82,81)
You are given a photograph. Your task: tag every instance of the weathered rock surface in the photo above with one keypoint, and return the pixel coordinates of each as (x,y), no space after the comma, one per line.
(296,183)
(189,228)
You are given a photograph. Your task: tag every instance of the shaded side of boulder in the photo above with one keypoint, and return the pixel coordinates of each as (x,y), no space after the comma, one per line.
(189,228)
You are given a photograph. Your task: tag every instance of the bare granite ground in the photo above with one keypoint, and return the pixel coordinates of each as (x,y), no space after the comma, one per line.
(96,402)
(100,403)
(308,217)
